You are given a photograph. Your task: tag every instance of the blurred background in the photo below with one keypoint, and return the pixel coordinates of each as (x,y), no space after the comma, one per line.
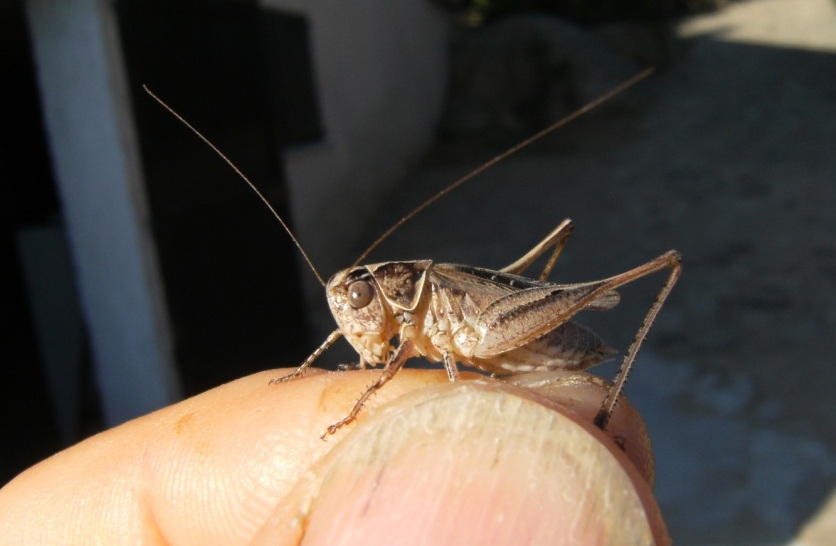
(142,270)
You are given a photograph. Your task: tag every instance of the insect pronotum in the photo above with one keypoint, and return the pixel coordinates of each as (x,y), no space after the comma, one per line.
(495,320)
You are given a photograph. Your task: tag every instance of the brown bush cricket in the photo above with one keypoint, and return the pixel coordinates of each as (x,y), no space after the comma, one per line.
(497,321)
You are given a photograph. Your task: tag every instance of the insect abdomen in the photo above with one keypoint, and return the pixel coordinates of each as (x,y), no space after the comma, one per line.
(570,346)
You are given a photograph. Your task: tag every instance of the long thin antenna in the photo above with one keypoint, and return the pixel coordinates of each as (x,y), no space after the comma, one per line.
(243,177)
(511,151)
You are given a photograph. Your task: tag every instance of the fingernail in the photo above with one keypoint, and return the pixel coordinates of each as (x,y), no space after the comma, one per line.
(582,394)
(469,463)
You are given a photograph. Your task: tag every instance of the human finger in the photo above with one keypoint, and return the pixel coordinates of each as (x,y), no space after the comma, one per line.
(212,469)
(477,462)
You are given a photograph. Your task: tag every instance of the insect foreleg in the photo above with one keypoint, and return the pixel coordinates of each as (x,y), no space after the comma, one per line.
(403,352)
(557,239)
(670,259)
(332,337)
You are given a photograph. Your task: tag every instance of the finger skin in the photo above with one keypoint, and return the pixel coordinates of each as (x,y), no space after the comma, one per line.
(213,469)
(207,470)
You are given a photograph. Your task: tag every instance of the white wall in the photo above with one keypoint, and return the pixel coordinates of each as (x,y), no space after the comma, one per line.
(380,71)
(87,115)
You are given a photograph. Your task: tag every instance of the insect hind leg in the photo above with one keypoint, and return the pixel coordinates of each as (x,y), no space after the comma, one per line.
(672,260)
(557,239)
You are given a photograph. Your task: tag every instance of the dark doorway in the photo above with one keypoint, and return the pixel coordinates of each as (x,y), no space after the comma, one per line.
(230,271)
(29,204)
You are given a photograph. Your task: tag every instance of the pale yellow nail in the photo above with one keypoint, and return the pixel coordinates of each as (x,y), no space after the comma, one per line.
(472,462)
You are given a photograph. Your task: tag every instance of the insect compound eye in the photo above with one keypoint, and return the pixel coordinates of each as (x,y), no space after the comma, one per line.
(360,294)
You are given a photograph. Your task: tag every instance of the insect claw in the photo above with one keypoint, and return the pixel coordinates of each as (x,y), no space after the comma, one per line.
(332,429)
(285,378)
